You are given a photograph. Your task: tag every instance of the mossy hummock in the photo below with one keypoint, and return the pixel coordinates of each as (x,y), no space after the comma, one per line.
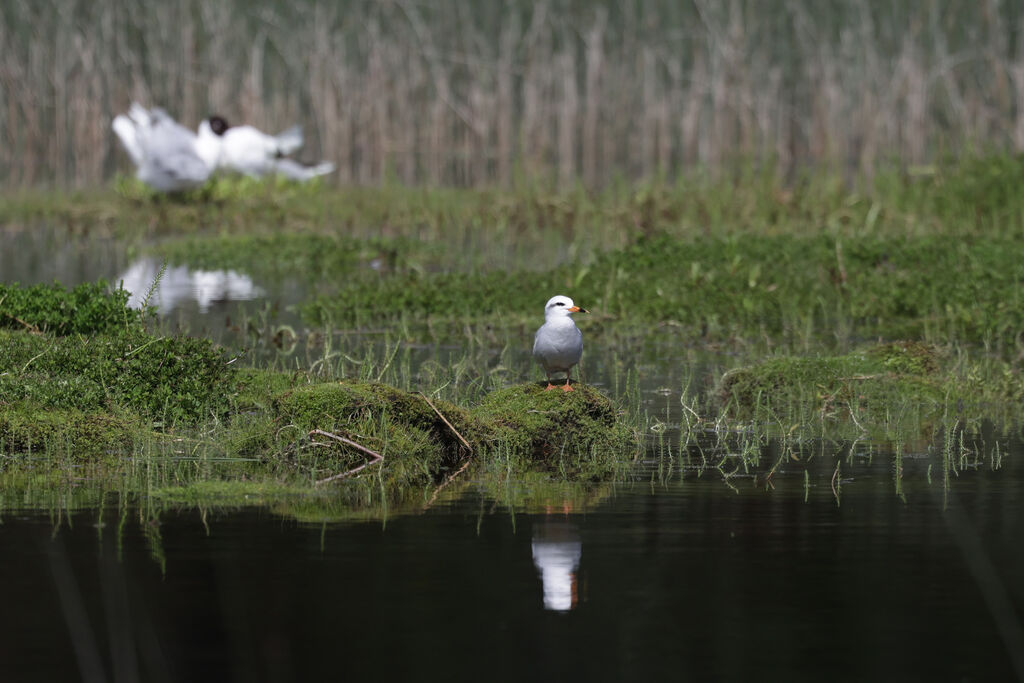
(577,434)
(523,427)
(875,378)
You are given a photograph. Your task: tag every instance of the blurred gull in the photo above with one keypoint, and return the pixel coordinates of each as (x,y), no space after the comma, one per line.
(246,150)
(164,151)
(558,344)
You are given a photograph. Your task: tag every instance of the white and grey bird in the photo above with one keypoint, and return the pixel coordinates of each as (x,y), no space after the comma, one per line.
(558,344)
(247,150)
(164,151)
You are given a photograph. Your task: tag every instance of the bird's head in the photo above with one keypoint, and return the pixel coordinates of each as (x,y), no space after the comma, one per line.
(561,306)
(218,124)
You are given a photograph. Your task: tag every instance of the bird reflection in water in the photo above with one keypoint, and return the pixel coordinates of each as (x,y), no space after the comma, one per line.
(556,554)
(180,284)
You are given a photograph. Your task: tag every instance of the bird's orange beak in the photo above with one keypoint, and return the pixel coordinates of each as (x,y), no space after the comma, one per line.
(577,309)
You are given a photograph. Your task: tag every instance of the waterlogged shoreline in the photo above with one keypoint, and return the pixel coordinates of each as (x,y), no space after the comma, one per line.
(887,318)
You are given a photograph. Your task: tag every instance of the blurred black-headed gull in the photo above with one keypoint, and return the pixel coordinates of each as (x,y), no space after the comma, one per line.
(558,344)
(164,151)
(246,150)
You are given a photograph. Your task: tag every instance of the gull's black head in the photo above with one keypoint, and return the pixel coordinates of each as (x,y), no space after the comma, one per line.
(218,124)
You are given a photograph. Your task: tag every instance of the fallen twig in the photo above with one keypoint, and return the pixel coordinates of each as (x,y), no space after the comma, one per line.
(29,326)
(454,430)
(377,457)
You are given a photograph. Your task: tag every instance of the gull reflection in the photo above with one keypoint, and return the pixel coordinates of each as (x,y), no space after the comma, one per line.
(556,554)
(180,284)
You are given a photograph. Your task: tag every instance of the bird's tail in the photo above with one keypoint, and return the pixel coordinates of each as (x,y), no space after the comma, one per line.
(296,171)
(289,140)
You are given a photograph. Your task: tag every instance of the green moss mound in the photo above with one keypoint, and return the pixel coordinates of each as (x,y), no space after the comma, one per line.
(518,430)
(417,445)
(80,434)
(576,434)
(875,379)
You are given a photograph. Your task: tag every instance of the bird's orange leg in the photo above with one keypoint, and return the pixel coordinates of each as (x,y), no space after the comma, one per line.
(566,386)
(550,386)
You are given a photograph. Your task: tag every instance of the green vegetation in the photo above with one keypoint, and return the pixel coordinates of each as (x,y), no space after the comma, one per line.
(86,309)
(125,391)
(783,287)
(869,383)
(749,311)
(166,379)
(572,433)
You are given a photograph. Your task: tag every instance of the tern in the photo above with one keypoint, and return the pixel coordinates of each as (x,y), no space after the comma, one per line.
(558,344)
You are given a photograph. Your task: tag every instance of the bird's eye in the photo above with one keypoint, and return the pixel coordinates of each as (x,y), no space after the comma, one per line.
(559,303)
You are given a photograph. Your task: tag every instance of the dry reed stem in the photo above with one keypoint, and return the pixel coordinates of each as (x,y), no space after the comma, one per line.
(449,93)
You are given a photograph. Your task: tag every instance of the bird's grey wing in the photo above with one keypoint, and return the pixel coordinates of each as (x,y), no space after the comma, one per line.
(182,165)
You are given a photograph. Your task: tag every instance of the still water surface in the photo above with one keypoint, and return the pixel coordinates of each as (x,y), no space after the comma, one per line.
(680,580)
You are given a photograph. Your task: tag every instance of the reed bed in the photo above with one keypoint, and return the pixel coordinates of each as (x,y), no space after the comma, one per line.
(475,94)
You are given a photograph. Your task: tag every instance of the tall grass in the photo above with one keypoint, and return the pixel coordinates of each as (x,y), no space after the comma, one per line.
(457,92)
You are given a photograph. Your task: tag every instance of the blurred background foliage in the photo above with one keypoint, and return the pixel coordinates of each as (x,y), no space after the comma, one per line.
(468,93)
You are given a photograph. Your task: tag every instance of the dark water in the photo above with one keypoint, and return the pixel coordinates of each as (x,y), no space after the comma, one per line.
(678,580)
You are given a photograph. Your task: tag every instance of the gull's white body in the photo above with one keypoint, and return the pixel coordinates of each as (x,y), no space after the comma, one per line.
(558,344)
(164,151)
(246,150)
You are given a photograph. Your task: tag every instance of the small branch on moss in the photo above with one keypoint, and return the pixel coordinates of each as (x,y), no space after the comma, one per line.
(377,457)
(447,481)
(445,420)
(29,326)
